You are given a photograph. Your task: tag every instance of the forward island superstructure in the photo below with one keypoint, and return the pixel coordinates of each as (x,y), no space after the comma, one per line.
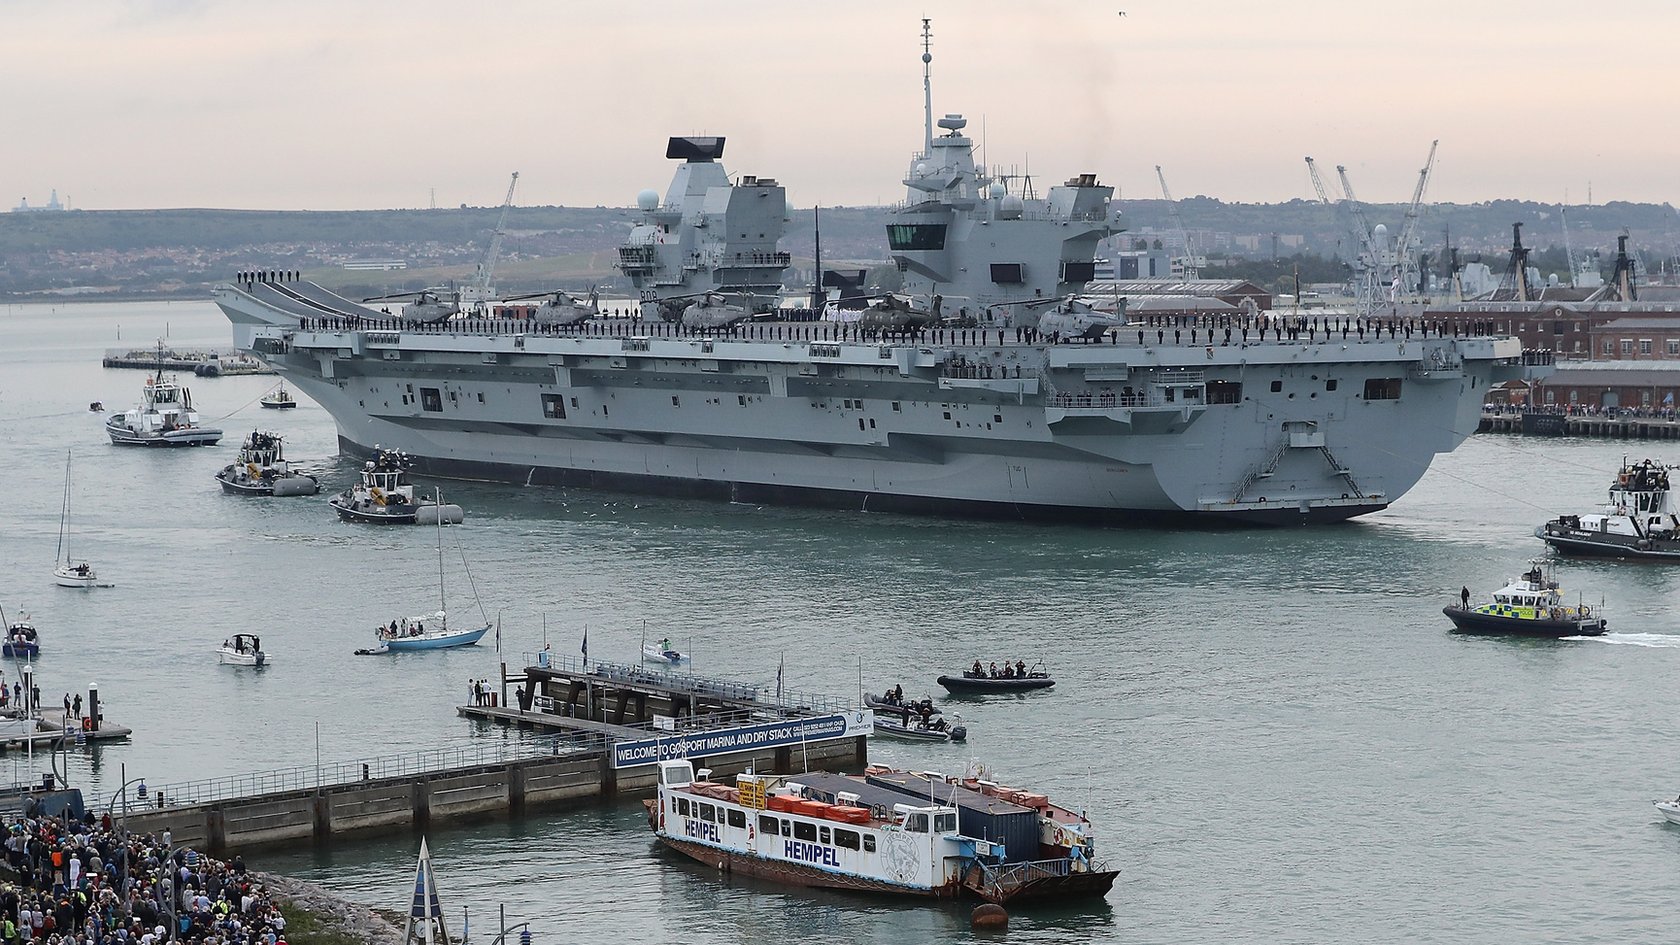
(1239,420)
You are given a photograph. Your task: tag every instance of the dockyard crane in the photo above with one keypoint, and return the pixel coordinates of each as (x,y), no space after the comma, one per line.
(1192,264)
(481,292)
(1366,288)
(1408,232)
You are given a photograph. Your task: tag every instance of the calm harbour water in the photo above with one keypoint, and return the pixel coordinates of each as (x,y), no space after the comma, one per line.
(1274,730)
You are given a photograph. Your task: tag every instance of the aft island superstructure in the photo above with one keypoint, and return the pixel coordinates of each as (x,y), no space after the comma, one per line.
(1237,418)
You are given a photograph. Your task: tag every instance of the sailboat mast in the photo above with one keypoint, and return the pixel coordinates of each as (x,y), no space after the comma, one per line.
(64,516)
(438,493)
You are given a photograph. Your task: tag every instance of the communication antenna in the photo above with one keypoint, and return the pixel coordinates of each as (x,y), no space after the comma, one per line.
(927,83)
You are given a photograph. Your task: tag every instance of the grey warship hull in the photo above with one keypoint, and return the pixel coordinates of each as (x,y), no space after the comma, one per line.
(1273,432)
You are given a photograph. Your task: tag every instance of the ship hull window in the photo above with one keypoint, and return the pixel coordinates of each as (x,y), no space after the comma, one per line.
(431,399)
(554,406)
(1382,388)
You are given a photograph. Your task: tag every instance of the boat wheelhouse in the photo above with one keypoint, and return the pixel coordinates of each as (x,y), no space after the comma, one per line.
(262,469)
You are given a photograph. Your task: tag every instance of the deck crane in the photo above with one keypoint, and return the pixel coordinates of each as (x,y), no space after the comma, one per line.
(1408,232)
(1192,264)
(480,292)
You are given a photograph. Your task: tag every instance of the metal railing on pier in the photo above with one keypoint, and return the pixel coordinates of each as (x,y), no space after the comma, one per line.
(690,682)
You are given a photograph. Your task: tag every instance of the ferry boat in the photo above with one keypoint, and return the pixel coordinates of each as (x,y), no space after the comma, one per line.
(1639,520)
(262,469)
(164,417)
(1532,605)
(888,831)
(385,496)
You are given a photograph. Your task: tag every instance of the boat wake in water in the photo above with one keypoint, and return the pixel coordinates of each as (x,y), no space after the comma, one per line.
(1657,640)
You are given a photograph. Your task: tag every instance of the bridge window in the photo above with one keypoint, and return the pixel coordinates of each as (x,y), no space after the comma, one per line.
(554,406)
(431,399)
(736,818)
(912,236)
(805,831)
(1008,273)
(944,823)
(1224,392)
(1382,388)
(916,823)
(846,838)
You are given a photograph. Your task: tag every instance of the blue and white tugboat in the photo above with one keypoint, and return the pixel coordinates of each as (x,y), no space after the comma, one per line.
(1639,521)
(262,469)
(1529,606)
(887,831)
(385,496)
(164,417)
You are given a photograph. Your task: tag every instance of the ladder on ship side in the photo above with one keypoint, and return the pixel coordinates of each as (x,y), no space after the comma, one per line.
(1266,469)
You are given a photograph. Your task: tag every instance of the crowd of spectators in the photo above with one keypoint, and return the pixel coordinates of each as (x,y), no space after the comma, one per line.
(87,881)
(1665,412)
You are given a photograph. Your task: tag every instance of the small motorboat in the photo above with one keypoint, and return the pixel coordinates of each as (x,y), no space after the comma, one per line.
(96,406)
(1015,678)
(1669,809)
(262,469)
(22,640)
(897,706)
(1529,606)
(279,398)
(662,652)
(243,649)
(920,730)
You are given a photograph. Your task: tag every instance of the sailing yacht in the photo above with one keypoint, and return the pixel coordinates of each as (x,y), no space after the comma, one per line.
(413,633)
(68,572)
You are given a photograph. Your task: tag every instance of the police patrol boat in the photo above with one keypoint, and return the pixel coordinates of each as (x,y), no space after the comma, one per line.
(1638,521)
(1138,424)
(262,469)
(887,831)
(1532,605)
(385,496)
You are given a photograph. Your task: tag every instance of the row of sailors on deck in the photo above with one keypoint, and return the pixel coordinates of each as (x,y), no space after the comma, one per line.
(1018,671)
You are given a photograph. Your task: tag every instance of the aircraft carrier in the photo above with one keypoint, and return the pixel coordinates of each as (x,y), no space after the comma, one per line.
(977,415)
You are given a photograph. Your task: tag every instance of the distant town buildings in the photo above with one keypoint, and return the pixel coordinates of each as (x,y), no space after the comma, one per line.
(52,205)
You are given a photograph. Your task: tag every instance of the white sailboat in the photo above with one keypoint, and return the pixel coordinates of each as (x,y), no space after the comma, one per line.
(68,572)
(412,633)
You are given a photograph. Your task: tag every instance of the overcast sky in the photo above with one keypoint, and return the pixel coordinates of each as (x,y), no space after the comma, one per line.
(355,104)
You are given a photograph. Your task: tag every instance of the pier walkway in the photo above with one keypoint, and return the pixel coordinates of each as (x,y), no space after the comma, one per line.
(581,759)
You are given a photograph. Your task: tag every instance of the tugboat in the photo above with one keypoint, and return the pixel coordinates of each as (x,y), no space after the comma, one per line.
(164,416)
(261,469)
(385,496)
(1639,521)
(1529,606)
(23,642)
(888,832)
(279,398)
(1017,678)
